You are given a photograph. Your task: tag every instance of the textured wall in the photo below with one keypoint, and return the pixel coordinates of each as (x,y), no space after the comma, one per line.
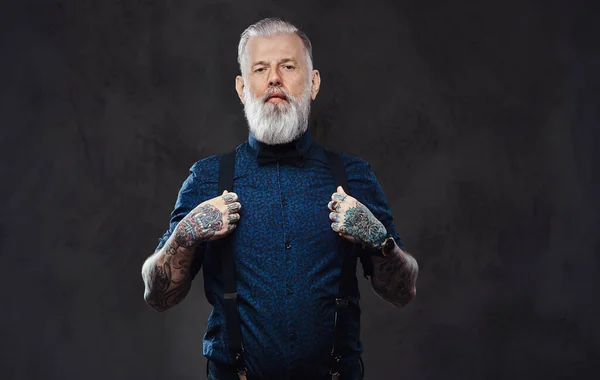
(479,118)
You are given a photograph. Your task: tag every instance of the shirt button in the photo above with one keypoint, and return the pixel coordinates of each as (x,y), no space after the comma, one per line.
(288,245)
(289,291)
(292,336)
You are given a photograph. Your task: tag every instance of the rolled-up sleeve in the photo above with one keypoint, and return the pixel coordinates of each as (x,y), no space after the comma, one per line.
(370,190)
(365,187)
(199,186)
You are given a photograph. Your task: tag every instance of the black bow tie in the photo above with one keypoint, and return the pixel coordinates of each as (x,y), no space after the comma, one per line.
(284,154)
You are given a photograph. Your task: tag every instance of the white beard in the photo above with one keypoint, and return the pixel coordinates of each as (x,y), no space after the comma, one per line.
(277,123)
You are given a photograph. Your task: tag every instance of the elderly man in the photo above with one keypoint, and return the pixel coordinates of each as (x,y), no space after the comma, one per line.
(276,236)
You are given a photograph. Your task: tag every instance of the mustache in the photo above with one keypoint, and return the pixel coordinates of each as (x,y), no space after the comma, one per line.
(278,91)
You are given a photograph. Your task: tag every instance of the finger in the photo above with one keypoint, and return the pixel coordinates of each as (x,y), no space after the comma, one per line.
(341,190)
(224,192)
(229,197)
(334,216)
(231,226)
(337,227)
(234,207)
(339,197)
(233,218)
(334,206)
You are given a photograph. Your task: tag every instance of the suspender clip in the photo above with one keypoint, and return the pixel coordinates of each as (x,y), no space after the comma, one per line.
(229,296)
(334,368)
(240,365)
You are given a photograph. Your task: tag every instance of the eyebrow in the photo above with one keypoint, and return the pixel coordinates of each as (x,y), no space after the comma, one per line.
(280,61)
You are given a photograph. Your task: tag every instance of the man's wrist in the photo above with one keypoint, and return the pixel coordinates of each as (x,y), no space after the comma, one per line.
(374,246)
(378,244)
(384,248)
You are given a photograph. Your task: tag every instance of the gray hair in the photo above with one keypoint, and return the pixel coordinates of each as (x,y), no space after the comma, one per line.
(270,27)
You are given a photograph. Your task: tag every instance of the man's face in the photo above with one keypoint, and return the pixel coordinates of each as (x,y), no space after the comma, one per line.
(276,61)
(277,88)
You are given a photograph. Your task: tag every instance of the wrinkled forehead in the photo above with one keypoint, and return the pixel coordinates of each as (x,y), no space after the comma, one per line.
(275,48)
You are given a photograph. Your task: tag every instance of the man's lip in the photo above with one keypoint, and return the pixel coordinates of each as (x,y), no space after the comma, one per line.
(280,96)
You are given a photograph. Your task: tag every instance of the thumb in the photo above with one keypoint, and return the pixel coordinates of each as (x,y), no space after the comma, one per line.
(341,190)
(224,192)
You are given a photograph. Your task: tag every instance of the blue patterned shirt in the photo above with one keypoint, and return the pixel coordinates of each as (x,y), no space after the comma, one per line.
(286,257)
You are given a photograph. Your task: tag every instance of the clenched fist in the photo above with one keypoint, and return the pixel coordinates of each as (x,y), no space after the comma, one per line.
(354,221)
(210,220)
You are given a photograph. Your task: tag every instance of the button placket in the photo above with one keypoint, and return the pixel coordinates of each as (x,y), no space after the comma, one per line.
(287,245)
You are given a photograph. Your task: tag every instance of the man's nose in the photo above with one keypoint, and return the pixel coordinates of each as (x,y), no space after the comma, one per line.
(274,78)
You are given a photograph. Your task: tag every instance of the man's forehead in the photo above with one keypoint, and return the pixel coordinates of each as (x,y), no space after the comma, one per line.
(275,47)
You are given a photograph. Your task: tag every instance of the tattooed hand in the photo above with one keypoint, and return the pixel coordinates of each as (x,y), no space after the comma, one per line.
(210,220)
(353,220)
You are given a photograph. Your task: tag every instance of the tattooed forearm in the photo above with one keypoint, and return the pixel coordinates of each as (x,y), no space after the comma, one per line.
(395,276)
(166,275)
(162,290)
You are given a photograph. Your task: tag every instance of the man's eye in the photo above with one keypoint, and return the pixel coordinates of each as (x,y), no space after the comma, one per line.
(289,67)
(259,70)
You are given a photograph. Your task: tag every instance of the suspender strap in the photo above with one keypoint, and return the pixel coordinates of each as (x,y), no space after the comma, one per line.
(346,250)
(226,167)
(234,334)
(339,172)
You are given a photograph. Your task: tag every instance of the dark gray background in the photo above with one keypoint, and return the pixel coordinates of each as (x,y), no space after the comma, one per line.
(480,119)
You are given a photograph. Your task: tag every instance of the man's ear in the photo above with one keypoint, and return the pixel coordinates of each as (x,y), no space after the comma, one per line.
(239,87)
(315,84)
